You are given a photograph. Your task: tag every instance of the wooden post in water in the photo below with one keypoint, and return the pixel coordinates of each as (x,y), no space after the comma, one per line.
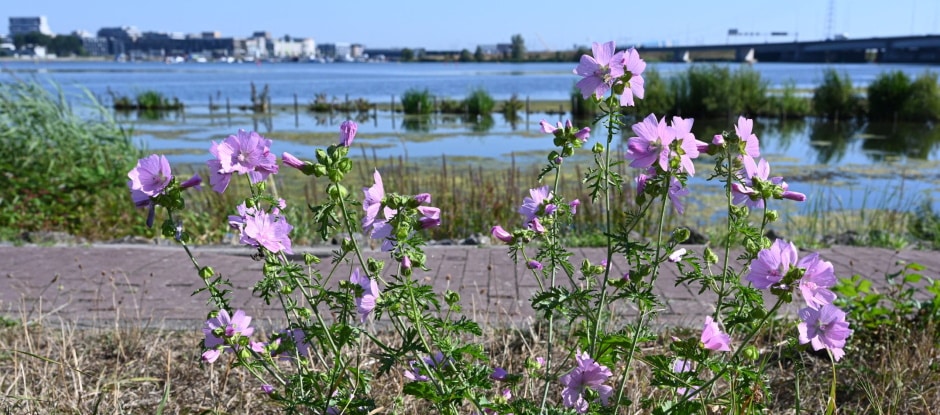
(210,103)
(228,107)
(296,112)
(375,114)
(393,111)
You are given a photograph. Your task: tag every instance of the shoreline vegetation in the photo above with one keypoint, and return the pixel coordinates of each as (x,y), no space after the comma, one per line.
(707,91)
(480,193)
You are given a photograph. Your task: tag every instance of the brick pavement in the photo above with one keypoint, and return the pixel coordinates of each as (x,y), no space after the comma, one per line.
(152,285)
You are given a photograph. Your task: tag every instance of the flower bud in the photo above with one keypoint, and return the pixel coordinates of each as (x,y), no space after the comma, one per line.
(681,235)
(319,170)
(583,134)
(423,198)
(710,257)
(751,352)
(499,233)
(676,256)
(337,191)
(533,264)
(772,215)
(347,131)
(573,205)
(598,148)
(194,181)
(290,160)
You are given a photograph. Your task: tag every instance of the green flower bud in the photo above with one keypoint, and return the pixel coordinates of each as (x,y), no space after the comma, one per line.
(710,257)
(310,259)
(567,151)
(552,156)
(772,216)
(598,148)
(348,245)
(345,165)
(751,352)
(452,298)
(335,175)
(374,266)
(681,235)
(319,170)
(286,289)
(336,191)
(206,272)
(322,157)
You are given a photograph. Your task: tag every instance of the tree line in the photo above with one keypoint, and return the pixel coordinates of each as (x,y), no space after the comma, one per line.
(61,45)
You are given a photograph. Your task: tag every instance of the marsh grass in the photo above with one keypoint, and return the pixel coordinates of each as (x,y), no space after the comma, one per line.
(51,367)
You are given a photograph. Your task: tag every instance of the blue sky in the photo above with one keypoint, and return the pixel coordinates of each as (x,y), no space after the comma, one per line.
(448,24)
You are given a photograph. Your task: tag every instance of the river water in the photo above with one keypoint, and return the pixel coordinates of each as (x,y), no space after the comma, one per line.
(843,163)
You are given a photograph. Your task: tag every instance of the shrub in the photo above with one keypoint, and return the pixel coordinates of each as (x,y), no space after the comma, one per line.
(887,95)
(714,91)
(659,98)
(479,102)
(61,171)
(834,99)
(788,103)
(580,107)
(511,108)
(416,101)
(923,100)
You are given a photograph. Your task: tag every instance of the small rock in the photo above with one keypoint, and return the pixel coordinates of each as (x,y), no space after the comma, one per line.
(51,237)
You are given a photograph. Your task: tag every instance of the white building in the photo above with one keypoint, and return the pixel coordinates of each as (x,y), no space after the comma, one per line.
(24,25)
(295,48)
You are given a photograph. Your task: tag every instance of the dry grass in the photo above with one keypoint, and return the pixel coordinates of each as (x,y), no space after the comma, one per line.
(53,369)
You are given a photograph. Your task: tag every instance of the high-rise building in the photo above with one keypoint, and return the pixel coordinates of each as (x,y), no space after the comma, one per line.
(24,25)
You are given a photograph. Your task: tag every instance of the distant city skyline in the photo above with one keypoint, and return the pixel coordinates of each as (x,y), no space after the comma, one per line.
(545,25)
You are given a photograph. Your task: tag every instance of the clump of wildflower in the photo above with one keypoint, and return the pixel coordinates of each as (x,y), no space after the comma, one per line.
(588,374)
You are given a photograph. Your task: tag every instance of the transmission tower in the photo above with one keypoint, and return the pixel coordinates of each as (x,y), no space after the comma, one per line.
(830,15)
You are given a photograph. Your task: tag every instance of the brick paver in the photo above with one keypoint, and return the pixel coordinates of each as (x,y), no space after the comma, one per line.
(151,285)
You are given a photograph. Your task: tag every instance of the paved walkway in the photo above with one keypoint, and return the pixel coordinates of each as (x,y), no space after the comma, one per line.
(150,285)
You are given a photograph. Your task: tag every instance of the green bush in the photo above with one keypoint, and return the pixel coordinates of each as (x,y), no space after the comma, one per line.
(714,91)
(416,101)
(748,92)
(511,108)
(788,104)
(887,95)
(658,99)
(582,108)
(61,172)
(835,99)
(923,101)
(479,102)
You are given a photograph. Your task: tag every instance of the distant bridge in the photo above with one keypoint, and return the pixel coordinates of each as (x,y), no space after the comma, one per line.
(904,49)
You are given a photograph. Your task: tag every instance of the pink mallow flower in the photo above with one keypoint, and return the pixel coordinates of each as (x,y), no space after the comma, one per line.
(744,130)
(772,264)
(244,153)
(634,65)
(532,204)
(222,327)
(588,374)
(370,293)
(600,71)
(675,193)
(430,217)
(817,278)
(573,205)
(824,328)
(150,176)
(347,132)
(269,230)
(651,143)
(372,202)
(688,147)
(713,338)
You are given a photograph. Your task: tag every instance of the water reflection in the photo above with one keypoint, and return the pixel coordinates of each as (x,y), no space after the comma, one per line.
(831,140)
(888,140)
